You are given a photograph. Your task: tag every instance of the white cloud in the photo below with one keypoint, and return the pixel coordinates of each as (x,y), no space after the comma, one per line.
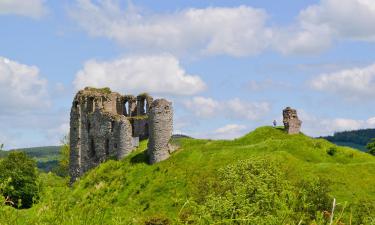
(234,108)
(319,25)
(202,107)
(161,74)
(21,87)
(29,8)
(346,18)
(234,31)
(230,131)
(238,109)
(353,84)
(318,126)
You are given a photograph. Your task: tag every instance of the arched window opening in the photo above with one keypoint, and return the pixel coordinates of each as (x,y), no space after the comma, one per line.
(126,109)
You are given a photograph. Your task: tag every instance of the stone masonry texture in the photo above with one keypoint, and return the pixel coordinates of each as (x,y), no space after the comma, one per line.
(291,122)
(160,128)
(103,124)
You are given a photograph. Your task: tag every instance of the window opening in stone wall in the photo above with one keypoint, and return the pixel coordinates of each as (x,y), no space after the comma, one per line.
(144,106)
(76,104)
(90,105)
(92,149)
(112,126)
(126,109)
(106,147)
(88,126)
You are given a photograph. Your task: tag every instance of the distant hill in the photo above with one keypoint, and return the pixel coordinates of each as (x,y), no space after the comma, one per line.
(356,139)
(46,157)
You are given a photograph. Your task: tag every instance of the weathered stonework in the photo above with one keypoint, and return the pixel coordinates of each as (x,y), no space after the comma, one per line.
(105,125)
(291,122)
(161,127)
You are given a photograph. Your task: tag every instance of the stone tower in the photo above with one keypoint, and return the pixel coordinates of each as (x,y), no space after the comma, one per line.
(160,128)
(291,122)
(106,125)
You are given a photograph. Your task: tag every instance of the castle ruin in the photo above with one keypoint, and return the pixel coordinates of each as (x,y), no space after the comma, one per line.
(107,125)
(291,122)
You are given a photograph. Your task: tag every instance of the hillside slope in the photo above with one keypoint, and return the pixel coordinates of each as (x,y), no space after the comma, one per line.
(46,157)
(132,192)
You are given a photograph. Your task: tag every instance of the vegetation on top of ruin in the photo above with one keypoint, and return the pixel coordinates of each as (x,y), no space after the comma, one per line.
(264,177)
(144,94)
(105,90)
(138,117)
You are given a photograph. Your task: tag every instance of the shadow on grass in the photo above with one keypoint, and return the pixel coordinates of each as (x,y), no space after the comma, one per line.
(141,157)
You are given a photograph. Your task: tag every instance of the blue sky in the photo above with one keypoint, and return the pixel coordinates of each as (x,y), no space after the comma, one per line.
(228,66)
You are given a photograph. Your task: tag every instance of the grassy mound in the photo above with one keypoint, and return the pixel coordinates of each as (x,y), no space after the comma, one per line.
(132,192)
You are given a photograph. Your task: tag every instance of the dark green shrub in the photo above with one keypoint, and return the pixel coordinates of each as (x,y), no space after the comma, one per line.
(332,151)
(21,172)
(63,165)
(371,147)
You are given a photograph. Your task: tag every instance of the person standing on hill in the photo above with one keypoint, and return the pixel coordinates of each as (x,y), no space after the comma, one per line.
(274,123)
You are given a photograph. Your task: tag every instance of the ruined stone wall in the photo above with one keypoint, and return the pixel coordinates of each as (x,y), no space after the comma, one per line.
(105,125)
(140,127)
(291,122)
(98,130)
(160,121)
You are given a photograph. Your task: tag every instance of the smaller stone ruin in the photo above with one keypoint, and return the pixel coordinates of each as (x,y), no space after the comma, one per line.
(292,124)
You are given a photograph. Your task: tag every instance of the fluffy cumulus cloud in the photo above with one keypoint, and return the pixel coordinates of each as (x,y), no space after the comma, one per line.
(233,109)
(353,84)
(236,31)
(319,25)
(27,116)
(202,107)
(161,74)
(215,30)
(21,87)
(320,126)
(28,8)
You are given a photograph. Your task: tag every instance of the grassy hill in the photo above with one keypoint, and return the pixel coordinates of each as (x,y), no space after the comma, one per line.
(46,157)
(205,176)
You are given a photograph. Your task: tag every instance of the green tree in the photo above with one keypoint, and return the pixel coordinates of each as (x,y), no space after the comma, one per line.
(63,167)
(21,174)
(371,147)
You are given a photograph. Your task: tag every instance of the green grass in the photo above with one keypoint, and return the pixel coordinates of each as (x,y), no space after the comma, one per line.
(131,192)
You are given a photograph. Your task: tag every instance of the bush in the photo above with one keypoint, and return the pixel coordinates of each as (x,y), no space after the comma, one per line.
(256,191)
(332,151)
(371,147)
(20,174)
(63,165)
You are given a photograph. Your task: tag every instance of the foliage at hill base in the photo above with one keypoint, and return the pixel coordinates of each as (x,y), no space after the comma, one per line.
(264,177)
